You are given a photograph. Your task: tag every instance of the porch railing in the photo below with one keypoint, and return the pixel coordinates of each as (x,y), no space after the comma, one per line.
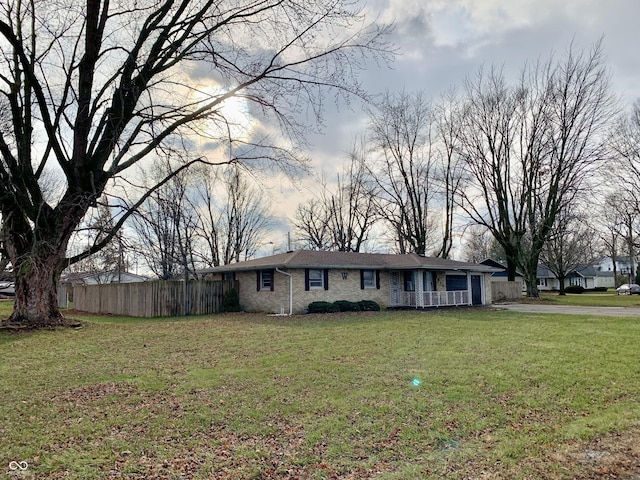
(431,299)
(454,297)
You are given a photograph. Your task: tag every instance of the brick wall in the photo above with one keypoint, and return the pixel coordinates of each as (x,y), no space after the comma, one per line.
(340,288)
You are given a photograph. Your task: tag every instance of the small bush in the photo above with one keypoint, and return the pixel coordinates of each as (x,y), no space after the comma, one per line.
(231,301)
(369,306)
(574,289)
(323,307)
(599,289)
(347,306)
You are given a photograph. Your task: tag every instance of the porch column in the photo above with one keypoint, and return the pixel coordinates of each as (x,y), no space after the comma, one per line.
(469,296)
(417,275)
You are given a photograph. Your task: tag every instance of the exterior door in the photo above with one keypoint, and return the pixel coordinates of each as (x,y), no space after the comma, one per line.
(476,289)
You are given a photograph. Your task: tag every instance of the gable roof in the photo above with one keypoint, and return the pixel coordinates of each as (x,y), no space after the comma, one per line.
(502,268)
(350,260)
(583,271)
(542,271)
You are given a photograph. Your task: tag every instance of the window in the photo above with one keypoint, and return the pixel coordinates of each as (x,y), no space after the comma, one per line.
(316,278)
(265,280)
(229,276)
(576,281)
(409,285)
(427,281)
(368,279)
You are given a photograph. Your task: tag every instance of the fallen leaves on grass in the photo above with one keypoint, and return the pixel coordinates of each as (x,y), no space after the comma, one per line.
(616,455)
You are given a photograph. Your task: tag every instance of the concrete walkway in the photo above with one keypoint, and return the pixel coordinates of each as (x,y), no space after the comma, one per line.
(570,309)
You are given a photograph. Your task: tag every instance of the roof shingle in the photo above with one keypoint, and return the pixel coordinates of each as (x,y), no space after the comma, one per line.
(322,259)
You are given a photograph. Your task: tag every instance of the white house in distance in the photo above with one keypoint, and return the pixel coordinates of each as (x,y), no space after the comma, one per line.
(586,276)
(623,265)
(287,283)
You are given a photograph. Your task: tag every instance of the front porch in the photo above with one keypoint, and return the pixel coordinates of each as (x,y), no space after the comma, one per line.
(422,288)
(432,299)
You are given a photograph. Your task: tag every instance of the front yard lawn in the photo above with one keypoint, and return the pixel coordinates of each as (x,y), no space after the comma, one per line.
(589,299)
(468,393)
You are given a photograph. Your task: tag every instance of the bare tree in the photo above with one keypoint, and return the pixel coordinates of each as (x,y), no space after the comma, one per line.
(402,133)
(449,168)
(234,217)
(105,86)
(246,217)
(480,245)
(622,224)
(625,143)
(342,217)
(529,148)
(312,225)
(112,258)
(569,245)
(352,209)
(165,227)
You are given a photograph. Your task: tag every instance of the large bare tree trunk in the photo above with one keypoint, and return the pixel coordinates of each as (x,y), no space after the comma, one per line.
(35,304)
(38,259)
(37,269)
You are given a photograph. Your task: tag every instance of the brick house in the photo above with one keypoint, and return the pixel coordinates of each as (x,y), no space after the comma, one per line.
(286,283)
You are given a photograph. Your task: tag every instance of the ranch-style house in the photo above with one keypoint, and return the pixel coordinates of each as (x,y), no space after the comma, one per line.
(287,283)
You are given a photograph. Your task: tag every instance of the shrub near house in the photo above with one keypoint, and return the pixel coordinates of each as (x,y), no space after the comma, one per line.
(574,289)
(343,306)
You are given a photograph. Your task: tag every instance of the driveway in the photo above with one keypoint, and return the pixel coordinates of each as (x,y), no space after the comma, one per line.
(570,310)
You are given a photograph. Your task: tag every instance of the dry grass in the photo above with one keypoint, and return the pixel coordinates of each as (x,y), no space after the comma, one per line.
(496,395)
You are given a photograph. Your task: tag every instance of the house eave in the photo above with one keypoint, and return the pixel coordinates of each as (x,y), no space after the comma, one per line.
(237,267)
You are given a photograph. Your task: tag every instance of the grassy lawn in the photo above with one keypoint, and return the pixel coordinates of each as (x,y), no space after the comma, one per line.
(605,299)
(389,395)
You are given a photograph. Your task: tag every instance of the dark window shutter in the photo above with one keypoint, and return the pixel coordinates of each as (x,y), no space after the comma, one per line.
(326,279)
(361,279)
(306,279)
(378,279)
(273,278)
(258,280)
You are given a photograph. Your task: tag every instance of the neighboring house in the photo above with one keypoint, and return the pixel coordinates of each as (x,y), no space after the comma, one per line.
(289,282)
(587,276)
(94,278)
(546,279)
(623,265)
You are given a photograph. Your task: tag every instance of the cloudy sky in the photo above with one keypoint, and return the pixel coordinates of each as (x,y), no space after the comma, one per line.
(440,42)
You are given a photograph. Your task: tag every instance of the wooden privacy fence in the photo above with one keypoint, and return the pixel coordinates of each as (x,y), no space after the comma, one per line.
(506,291)
(153,299)
(63,294)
